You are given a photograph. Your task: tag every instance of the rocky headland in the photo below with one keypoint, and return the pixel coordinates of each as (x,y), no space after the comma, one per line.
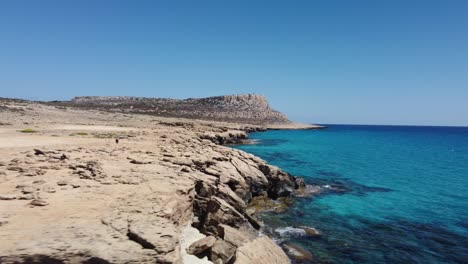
(244,108)
(105,180)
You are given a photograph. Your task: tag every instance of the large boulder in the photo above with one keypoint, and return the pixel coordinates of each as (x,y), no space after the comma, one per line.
(201,245)
(261,251)
(222,252)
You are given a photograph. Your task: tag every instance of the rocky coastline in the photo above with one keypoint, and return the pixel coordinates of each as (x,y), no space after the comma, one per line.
(123,188)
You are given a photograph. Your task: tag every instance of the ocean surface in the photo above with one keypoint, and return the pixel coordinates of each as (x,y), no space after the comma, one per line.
(391,194)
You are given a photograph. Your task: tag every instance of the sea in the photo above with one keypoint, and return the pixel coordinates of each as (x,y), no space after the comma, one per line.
(390,194)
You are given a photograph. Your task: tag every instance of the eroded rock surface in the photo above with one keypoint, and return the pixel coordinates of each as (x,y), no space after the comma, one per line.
(70,193)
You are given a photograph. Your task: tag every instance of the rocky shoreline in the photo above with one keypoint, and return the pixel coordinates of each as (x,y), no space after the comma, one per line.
(135,201)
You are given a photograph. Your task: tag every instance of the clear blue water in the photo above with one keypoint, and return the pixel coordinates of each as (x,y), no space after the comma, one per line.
(405,198)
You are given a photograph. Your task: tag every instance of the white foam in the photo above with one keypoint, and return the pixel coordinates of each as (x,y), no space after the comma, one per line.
(290,231)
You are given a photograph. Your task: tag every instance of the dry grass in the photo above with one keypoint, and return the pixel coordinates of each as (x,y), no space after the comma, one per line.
(28,130)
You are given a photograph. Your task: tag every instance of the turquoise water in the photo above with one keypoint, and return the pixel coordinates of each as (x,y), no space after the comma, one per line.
(398,194)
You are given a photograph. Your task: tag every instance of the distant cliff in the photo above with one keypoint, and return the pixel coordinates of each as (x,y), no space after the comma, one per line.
(245,108)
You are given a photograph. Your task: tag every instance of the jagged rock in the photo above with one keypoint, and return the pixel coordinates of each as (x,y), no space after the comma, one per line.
(142,223)
(283,183)
(201,245)
(300,183)
(261,251)
(231,197)
(39,152)
(234,236)
(254,222)
(222,251)
(220,212)
(250,171)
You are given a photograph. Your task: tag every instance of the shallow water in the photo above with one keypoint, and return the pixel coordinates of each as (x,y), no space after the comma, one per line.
(403,192)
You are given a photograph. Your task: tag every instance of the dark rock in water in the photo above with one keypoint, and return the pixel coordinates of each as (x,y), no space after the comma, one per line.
(201,245)
(298,253)
(300,183)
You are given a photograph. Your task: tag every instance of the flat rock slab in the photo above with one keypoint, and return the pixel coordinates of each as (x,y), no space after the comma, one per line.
(261,251)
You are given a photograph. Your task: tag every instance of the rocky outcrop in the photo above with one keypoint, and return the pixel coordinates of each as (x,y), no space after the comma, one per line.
(130,202)
(245,108)
(232,179)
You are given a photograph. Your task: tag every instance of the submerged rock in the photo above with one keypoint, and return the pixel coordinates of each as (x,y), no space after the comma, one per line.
(298,253)
(311,231)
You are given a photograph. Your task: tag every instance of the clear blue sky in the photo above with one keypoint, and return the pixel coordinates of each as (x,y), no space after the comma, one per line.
(368,62)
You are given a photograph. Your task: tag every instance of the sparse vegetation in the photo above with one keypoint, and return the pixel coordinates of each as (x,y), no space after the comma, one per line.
(105,135)
(79,134)
(28,130)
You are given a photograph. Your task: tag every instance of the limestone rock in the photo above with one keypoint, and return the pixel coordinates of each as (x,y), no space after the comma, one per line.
(234,236)
(222,251)
(248,108)
(261,251)
(201,245)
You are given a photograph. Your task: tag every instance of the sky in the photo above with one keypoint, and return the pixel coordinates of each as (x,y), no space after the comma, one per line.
(330,61)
